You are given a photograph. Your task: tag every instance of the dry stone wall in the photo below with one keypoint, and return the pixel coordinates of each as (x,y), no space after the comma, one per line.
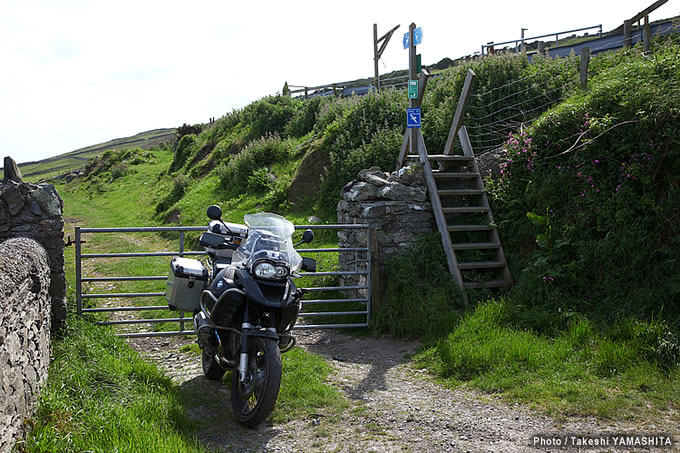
(24,333)
(35,211)
(32,294)
(395,204)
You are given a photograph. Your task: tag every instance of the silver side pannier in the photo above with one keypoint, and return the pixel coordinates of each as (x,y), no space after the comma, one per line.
(186,280)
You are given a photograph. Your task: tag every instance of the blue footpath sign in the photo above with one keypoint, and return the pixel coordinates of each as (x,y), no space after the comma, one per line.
(413,117)
(417,37)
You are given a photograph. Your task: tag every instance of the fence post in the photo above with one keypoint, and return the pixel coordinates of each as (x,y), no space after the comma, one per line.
(585,59)
(541,48)
(374,274)
(627,33)
(79,282)
(647,35)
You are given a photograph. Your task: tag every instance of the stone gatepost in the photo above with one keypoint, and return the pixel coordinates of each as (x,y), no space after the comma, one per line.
(35,211)
(394,205)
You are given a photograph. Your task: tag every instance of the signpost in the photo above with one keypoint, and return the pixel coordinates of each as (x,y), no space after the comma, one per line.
(413,89)
(413,117)
(411,40)
(417,38)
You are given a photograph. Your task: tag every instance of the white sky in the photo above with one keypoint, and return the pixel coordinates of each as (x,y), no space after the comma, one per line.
(76,73)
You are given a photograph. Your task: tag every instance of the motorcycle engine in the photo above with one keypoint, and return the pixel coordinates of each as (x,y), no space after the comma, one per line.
(206,337)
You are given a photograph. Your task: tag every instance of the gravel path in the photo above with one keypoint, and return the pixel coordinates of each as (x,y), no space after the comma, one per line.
(394,407)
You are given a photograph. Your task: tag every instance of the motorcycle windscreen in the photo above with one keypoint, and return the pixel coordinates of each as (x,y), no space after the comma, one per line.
(269,236)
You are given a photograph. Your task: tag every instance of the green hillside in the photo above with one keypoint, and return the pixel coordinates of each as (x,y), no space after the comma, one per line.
(587,200)
(62,163)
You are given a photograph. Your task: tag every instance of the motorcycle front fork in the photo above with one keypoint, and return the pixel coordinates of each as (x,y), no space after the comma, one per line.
(243,357)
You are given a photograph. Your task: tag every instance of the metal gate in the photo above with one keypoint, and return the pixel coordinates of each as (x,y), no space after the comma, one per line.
(340,305)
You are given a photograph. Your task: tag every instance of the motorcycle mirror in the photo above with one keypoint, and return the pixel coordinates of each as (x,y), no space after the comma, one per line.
(307,236)
(214,212)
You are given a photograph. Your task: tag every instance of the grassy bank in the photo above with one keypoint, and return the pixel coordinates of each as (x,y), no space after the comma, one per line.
(628,371)
(101,396)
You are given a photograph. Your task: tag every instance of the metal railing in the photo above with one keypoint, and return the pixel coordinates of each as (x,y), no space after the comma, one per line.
(519,42)
(362,268)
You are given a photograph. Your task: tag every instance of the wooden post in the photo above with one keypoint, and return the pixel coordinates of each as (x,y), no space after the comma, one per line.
(411,76)
(541,48)
(375,57)
(460,111)
(647,35)
(377,53)
(306,93)
(404,148)
(422,83)
(627,33)
(585,59)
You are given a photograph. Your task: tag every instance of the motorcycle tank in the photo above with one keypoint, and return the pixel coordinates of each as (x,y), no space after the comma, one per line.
(228,304)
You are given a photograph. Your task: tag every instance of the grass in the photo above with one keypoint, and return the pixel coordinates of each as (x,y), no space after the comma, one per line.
(578,371)
(305,388)
(53,166)
(101,396)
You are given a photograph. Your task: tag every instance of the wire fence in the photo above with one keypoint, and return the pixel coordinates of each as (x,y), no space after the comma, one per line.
(498,111)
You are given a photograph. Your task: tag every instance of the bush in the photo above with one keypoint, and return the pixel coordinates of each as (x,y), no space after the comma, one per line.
(186,146)
(269,115)
(603,166)
(421,298)
(258,154)
(305,118)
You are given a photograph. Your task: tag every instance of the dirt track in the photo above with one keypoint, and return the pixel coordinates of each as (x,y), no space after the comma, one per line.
(394,407)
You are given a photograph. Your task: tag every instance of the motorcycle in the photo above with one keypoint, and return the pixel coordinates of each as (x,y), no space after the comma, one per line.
(244,305)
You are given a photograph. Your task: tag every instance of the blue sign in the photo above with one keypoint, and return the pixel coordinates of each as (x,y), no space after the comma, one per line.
(413,117)
(417,37)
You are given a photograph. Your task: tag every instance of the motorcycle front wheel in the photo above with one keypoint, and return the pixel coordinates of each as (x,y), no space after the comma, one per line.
(253,400)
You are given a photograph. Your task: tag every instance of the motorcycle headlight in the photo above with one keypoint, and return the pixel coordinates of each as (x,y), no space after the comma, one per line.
(270,271)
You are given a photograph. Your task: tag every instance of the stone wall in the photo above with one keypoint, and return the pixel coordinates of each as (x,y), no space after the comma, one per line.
(395,205)
(24,333)
(35,211)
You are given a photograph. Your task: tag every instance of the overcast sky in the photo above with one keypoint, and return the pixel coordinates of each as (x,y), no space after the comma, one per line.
(76,73)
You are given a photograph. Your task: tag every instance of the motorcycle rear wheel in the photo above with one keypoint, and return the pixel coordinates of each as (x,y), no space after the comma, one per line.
(211,369)
(253,402)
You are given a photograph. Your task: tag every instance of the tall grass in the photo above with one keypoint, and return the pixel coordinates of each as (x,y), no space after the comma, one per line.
(627,371)
(101,396)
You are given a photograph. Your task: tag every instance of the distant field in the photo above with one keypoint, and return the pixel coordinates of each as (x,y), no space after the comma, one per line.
(75,159)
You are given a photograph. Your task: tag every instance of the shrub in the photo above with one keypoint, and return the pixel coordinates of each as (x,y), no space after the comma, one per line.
(234,175)
(305,118)
(186,146)
(421,298)
(269,115)
(603,166)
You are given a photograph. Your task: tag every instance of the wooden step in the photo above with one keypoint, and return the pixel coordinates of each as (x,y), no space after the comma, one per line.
(481,265)
(465,210)
(443,157)
(460,192)
(488,284)
(454,174)
(476,246)
(454,228)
